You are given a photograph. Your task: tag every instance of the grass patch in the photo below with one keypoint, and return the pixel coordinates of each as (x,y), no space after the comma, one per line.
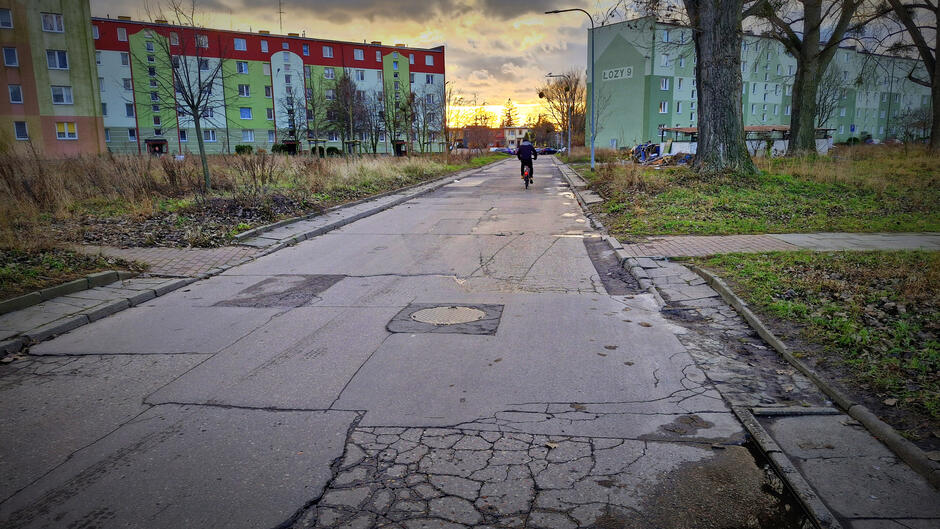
(875,313)
(148,201)
(22,272)
(859,189)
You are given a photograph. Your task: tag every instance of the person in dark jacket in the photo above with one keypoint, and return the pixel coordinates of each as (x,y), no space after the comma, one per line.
(526,153)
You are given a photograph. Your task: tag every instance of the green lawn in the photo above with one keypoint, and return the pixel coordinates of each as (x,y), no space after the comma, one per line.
(24,271)
(875,313)
(874,191)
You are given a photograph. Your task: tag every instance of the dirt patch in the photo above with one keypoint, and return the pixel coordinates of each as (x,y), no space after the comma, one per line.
(25,271)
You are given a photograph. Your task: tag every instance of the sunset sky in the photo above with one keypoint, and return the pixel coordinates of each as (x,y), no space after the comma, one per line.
(495,49)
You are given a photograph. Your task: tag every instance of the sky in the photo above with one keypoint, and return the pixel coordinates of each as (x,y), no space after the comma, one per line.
(495,49)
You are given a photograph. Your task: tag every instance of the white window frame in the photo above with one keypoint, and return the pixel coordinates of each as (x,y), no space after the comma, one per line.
(270,136)
(264,46)
(209,135)
(25,129)
(57,22)
(174,38)
(250,136)
(664,84)
(132,134)
(360,75)
(429,60)
(269,113)
(241,67)
(359,55)
(329,73)
(241,112)
(122,34)
(664,107)
(107,135)
(328,52)
(244,90)
(95,34)
(16,57)
(202,40)
(68,135)
(239,44)
(57,56)
(7,22)
(305,49)
(378,55)
(183,135)
(67,96)
(17,88)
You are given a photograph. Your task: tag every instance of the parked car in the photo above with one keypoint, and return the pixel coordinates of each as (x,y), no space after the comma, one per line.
(547,150)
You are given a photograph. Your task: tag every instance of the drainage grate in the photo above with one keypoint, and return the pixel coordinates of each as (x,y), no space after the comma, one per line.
(448,315)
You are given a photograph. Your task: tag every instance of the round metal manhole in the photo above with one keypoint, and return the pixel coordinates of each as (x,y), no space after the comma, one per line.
(448,315)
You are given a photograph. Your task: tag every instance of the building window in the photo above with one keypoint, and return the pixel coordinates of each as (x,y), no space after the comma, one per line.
(394,65)
(264,46)
(693,91)
(10,57)
(244,90)
(428,78)
(174,38)
(184,136)
(306,50)
(841,129)
(98,58)
(775,110)
(155,108)
(665,35)
(664,60)
(127,83)
(209,135)
(664,107)
(378,56)
(16,93)
(678,107)
(154,96)
(842,112)
(267,91)
(122,34)
(266,68)
(285,46)
(241,66)
(287,79)
(681,62)
(202,41)
(270,136)
(360,75)
(104,109)
(149,46)
(245,112)
(328,73)
(664,83)
(269,113)
(203,65)
(61,95)
(131,134)
(57,59)
(65,130)
(20,130)
(94,32)
(129,110)
(411,78)
(248,135)
(429,60)
(334,136)
(6,19)
(158,132)
(52,22)
(125,59)
(240,45)
(107,135)
(328,51)
(156,120)
(753,109)
(330,94)
(152,71)
(358,55)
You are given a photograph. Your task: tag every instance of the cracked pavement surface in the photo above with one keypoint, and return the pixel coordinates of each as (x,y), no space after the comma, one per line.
(274,395)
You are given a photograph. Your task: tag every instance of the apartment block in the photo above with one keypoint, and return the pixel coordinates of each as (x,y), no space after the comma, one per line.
(645,75)
(270,88)
(50,100)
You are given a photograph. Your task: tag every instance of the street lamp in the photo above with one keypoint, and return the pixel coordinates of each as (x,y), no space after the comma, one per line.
(593,84)
(567,103)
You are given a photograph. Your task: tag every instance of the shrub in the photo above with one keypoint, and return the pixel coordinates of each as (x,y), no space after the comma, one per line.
(243,149)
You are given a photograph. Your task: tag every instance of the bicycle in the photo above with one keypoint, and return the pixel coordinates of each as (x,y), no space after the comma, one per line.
(527,177)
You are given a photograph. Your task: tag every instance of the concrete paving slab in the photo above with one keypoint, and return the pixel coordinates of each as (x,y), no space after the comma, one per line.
(70,403)
(302,359)
(189,466)
(165,329)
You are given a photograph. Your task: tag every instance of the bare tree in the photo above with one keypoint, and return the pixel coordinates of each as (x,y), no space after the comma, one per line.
(828,97)
(373,114)
(316,105)
(345,109)
(186,69)
(919,18)
(426,112)
(294,111)
(914,125)
(565,97)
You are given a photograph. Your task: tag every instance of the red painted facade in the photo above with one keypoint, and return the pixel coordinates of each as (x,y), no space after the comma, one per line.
(222,44)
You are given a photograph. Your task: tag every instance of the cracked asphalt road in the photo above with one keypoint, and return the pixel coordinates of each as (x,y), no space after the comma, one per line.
(274,395)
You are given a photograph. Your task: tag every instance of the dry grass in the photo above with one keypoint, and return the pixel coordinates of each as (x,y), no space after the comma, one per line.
(34,191)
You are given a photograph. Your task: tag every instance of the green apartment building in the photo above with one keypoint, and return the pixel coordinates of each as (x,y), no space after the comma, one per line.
(646,82)
(50,99)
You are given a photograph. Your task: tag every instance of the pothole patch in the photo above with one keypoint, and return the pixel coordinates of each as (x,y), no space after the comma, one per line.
(447,318)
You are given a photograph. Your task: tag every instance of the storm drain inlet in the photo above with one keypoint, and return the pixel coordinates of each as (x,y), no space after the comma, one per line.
(448,315)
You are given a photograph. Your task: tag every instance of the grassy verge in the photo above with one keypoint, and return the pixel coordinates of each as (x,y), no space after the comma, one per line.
(22,272)
(859,189)
(146,201)
(868,319)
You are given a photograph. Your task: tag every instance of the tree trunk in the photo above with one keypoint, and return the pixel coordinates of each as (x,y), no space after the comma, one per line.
(804,107)
(717,37)
(934,144)
(202,154)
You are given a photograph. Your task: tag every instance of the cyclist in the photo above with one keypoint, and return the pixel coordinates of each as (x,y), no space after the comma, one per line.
(526,153)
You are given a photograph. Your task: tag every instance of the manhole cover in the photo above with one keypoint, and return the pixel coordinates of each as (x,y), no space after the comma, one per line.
(448,315)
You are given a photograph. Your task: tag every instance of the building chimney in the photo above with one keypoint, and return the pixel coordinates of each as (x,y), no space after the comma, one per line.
(293,34)
(399,45)
(263,32)
(160,21)
(123,17)
(376,42)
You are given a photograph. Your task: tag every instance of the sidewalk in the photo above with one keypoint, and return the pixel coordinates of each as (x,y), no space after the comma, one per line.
(696,245)
(177,262)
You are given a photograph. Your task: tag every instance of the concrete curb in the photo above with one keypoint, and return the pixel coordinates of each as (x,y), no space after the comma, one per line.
(77,285)
(45,332)
(434,185)
(904,449)
(811,502)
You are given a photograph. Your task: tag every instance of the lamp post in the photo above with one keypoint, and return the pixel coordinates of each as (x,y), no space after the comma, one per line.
(568,104)
(593,75)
